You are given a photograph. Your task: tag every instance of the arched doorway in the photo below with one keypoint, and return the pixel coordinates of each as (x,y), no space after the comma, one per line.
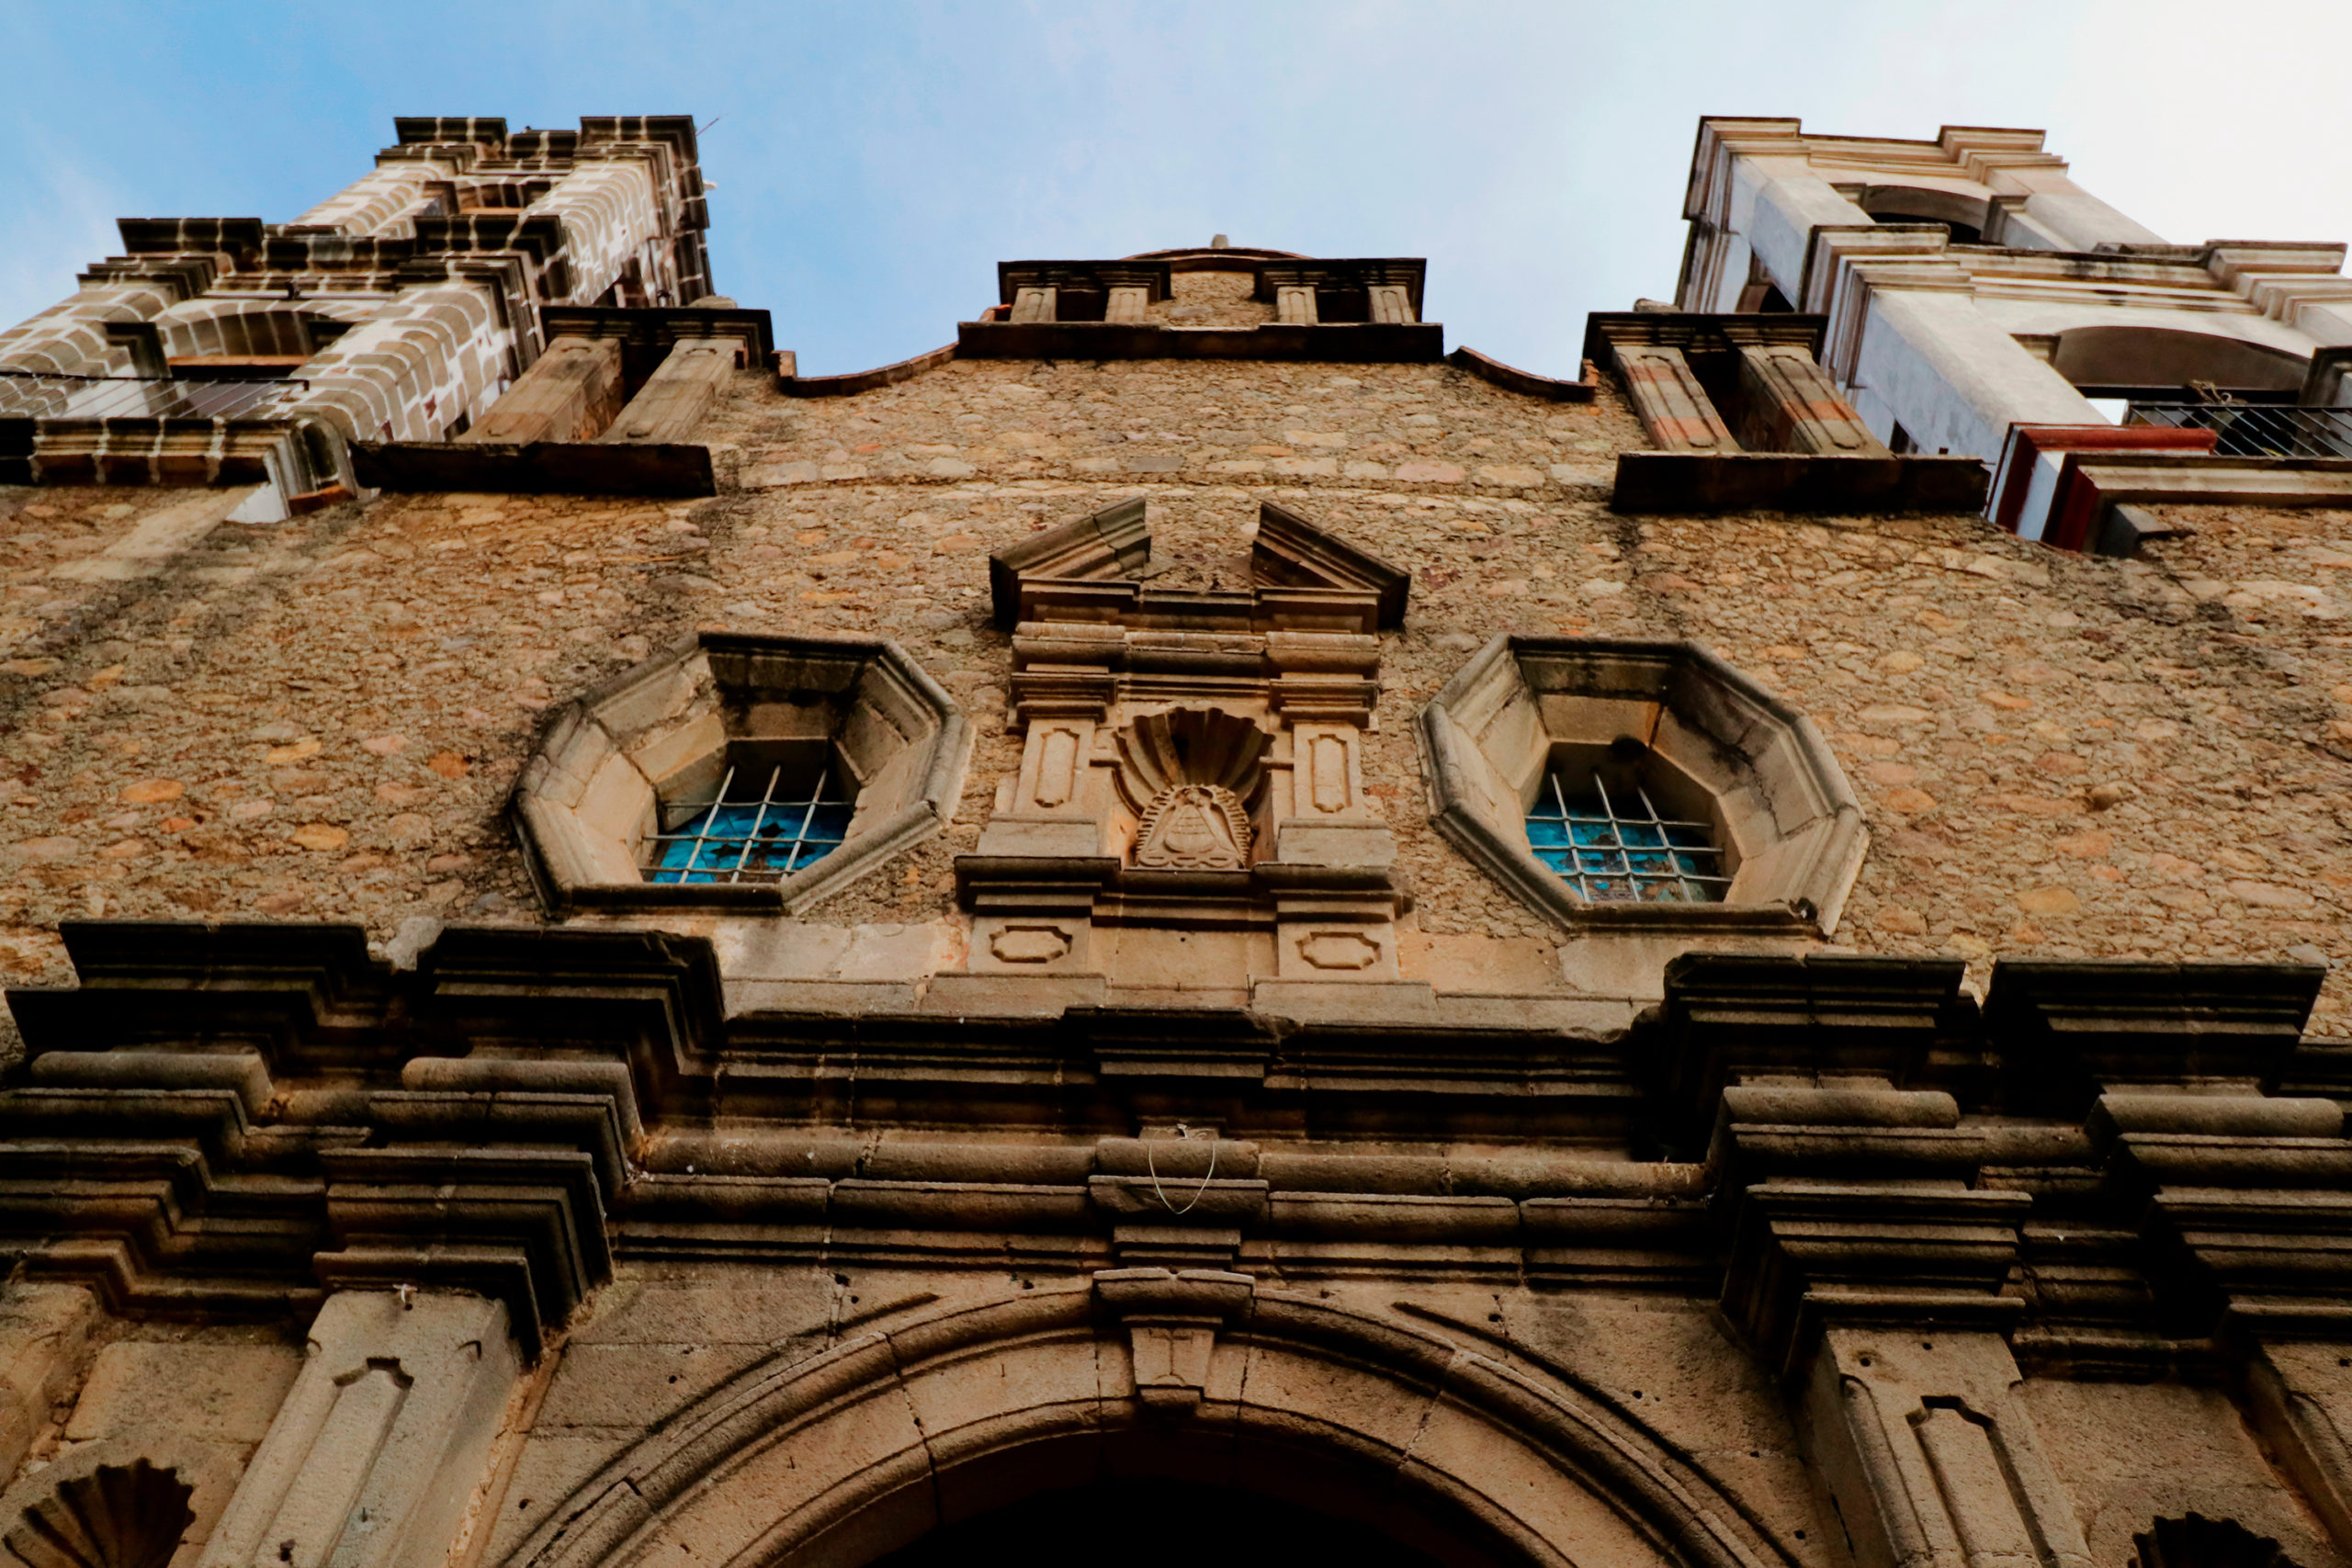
(1158,1524)
(1197,1385)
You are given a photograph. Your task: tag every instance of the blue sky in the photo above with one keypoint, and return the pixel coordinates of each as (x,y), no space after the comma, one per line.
(874,161)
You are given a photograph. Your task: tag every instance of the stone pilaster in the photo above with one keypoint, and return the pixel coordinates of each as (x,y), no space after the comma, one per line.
(2299,1393)
(43,1328)
(1930,1454)
(1869,1269)
(569,394)
(373,1458)
(680,392)
(1790,404)
(1674,408)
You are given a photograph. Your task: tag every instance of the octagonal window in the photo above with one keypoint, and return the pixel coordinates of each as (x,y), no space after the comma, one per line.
(755,772)
(1639,783)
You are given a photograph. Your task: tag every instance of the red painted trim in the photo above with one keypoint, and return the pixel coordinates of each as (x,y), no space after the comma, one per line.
(2027,444)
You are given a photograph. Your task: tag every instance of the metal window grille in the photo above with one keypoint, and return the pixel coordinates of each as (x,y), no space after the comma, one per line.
(1612,849)
(751,837)
(2258,430)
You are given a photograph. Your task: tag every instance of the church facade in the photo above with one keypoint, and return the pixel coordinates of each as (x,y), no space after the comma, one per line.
(1198,925)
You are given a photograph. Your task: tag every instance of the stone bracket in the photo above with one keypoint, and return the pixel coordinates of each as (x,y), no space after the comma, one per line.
(1172,1321)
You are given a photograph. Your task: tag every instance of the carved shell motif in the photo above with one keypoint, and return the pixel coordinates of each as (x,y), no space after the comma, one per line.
(117,1516)
(1194,827)
(1203,746)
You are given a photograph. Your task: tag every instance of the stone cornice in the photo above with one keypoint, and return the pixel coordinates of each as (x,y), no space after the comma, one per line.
(226,1118)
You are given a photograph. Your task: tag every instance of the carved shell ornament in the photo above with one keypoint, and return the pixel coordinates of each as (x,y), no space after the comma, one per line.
(1194,745)
(1194,827)
(117,1516)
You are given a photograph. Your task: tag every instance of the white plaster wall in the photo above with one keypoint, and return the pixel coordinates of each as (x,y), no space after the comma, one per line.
(1787,211)
(1954,378)
(2078,221)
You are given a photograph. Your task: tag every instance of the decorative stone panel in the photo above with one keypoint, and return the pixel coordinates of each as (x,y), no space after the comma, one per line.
(1788,824)
(619,765)
(1190,809)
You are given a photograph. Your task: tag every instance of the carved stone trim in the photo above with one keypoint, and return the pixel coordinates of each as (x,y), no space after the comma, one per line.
(1020,1374)
(1794,827)
(631,749)
(1194,827)
(117,1516)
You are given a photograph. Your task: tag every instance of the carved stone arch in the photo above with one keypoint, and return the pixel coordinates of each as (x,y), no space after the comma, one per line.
(2137,355)
(1200,1376)
(1969,216)
(250,327)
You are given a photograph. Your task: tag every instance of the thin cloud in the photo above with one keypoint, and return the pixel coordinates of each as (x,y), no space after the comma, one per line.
(876,161)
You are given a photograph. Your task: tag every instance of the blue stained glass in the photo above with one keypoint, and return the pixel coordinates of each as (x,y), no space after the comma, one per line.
(1622,849)
(764,838)
(1546,832)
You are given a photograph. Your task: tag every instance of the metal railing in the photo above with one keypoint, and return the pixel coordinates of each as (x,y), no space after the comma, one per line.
(2257,430)
(126,397)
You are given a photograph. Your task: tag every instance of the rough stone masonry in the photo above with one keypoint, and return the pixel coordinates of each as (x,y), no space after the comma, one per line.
(1205,1069)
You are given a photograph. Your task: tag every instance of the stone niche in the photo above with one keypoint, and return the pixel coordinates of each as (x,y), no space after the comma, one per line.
(647,750)
(1712,746)
(1190,810)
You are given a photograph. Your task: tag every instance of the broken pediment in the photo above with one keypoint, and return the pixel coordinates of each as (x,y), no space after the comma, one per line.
(1098,567)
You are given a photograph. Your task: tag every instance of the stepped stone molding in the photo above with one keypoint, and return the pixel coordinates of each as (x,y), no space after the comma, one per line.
(1839,1142)
(1788,823)
(1434,1438)
(633,756)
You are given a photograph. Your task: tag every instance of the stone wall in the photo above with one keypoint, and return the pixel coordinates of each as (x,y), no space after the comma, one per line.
(664,1346)
(2058,754)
